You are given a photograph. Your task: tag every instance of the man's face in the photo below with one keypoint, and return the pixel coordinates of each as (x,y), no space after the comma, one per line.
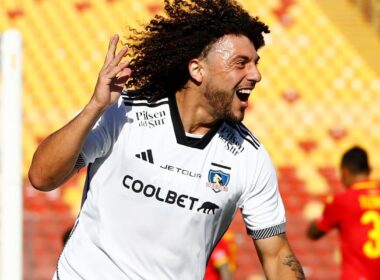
(231,73)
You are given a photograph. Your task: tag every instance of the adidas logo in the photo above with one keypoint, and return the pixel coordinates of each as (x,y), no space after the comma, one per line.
(146,156)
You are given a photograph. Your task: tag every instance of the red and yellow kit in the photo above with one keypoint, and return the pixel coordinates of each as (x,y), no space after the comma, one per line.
(356,214)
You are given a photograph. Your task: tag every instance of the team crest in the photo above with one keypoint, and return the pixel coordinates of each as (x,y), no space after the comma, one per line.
(218,180)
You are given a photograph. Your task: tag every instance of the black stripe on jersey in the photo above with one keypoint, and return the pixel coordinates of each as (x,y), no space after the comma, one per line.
(246,136)
(267,232)
(137,101)
(150,156)
(244,128)
(125,94)
(131,103)
(221,166)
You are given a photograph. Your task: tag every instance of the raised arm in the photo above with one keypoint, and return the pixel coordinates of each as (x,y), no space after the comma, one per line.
(54,160)
(278,259)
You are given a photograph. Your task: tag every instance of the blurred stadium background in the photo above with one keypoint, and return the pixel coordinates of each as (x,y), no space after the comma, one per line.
(320,94)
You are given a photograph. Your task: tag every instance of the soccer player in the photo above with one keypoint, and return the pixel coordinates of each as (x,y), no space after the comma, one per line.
(355,213)
(169,161)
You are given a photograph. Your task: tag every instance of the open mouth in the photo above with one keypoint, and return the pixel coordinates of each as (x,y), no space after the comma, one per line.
(244,93)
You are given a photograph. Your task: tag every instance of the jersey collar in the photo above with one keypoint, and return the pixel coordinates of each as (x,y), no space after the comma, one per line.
(198,143)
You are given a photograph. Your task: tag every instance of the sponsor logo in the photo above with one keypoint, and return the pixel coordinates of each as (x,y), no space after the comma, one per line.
(149,119)
(231,142)
(218,180)
(168,196)
(181,171)
(208,207)
(146,156)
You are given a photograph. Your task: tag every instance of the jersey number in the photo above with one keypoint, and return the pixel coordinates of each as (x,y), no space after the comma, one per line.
(372,247)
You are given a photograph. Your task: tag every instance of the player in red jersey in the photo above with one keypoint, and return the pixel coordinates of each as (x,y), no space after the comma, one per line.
(356,215)
(222,262)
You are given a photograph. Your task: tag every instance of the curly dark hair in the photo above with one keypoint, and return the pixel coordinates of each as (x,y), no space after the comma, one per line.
(188,29)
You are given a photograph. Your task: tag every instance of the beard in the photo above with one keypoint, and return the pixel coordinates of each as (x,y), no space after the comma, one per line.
(221,101)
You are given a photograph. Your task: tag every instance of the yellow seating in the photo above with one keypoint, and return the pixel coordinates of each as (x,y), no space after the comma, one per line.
(317,97)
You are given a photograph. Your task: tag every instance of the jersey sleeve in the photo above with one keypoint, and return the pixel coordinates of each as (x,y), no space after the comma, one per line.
(100,138)
(261,204)
(329,218)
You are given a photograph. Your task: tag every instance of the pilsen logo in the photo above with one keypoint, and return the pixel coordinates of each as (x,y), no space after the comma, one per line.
(231,142)
(218,180)
(151,120)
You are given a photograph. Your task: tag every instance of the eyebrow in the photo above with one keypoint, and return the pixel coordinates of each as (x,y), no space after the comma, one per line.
(246,58)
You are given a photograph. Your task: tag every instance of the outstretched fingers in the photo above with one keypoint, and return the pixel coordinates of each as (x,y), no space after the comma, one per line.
(111,49)
(118,68)
(113,75)
(111,60)
(113,64)
(116,60)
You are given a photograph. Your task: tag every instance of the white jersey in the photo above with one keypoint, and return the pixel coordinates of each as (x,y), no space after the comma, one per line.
(157,201)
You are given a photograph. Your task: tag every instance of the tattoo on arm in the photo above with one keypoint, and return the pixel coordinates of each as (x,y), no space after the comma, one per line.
(294,265)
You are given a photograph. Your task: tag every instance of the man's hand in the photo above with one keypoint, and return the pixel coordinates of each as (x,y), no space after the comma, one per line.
(54,161)
(313,232)
(112,76)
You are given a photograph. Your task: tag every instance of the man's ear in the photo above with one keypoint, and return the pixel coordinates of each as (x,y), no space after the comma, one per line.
(196,70)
